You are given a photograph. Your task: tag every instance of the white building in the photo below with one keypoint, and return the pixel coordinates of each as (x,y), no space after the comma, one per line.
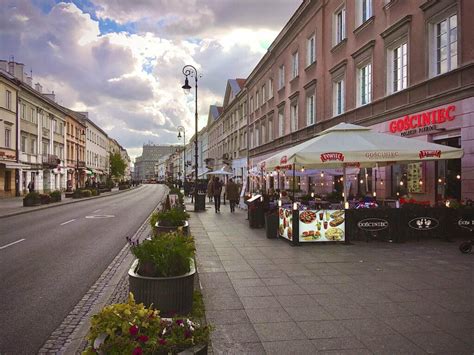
(97,160)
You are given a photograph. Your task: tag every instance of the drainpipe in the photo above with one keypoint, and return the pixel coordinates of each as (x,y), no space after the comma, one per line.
(17,153)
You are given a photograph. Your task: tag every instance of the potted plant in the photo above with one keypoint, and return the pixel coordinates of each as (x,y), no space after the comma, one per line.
(170,220)
(163,273)
(55,196)
(32,199)
(131,328)
(45,199)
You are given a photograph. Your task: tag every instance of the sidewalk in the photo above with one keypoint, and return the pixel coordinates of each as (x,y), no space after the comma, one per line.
(13,206)
(265,296)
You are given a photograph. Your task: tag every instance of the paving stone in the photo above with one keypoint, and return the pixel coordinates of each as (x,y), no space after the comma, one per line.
(338,343)
(390,344)
(244,291)
(277,331)
(282,290)
(247,282)
(226,316)
(303,347)
(223,302)
(260,302)
(324,329)
(360,327)
(278,281)
(239,333)
(308,301)
(268,315)
(410,324)
(220,347)
(302,313)
(440,342)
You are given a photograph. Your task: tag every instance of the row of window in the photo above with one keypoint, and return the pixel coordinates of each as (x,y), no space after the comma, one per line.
(95,160)
(95,138)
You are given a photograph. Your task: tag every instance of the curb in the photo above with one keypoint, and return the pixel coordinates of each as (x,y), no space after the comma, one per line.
(52,205)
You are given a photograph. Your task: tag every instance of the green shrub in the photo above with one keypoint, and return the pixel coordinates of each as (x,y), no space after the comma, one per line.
(94,192)
(153,219)
(86,193)
(55,196)
(77,193)
(33,198)
(174,217)
(164,256)
(45,199)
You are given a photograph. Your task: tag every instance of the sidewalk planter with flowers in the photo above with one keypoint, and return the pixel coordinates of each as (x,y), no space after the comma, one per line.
(55,196)
(131,328)
(45,199)
(163,274)
(172,220)
(32,199)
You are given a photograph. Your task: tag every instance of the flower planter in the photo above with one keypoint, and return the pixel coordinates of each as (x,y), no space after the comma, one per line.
(168,294)
(158,230)
(198,350)
(31,203)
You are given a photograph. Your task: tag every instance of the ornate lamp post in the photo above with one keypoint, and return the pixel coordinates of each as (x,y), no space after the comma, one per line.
(181,129)
(189,70)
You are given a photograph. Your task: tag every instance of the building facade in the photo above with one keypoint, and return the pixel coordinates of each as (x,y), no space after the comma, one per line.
(145,164)
(97,155)
(75,150)
(371,63)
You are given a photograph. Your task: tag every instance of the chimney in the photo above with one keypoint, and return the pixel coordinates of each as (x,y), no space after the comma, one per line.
(18,70)
(38,87)
(29,80)
(51,96)
(4,65)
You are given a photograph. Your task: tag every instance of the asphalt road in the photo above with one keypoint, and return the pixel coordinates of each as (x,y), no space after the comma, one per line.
(50,258)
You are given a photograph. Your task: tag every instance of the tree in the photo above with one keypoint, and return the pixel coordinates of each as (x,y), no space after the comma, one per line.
(117,165)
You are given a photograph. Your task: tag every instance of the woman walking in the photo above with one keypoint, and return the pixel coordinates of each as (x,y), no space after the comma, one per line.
(232,190)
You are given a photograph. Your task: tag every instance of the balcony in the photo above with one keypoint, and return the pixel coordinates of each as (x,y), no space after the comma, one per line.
(50,160)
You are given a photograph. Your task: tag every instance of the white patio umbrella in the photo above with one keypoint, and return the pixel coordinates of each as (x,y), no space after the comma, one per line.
(348,145)
(220,172)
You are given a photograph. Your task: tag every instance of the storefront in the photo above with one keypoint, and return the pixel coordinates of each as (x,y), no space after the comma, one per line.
(431,182)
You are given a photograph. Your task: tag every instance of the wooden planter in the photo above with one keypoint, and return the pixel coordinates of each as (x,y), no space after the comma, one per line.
(170,295)
(158,230)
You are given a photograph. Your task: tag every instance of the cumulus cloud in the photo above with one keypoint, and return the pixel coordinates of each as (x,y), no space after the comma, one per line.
(130,83)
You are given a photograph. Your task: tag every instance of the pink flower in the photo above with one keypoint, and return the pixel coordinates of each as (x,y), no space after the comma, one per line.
(187,333)
(179,322)
(137,351)
(133,330)
(162,341)
(143,338)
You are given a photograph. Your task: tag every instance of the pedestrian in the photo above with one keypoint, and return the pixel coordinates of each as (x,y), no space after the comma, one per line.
(216,192)
(232,190)
(31,186)
(209,189)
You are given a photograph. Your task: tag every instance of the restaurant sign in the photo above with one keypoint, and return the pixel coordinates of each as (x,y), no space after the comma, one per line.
(466,223)
(332,156)
(423,122)
(423,223)
(372,224)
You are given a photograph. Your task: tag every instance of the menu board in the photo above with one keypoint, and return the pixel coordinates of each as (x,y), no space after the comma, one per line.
(322,225)
(414,176)
(285,227)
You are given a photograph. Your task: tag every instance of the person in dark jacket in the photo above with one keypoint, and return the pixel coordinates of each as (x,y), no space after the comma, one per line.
(232,190)
(216,193)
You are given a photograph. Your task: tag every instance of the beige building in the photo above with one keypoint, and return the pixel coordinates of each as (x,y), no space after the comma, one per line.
(75,149)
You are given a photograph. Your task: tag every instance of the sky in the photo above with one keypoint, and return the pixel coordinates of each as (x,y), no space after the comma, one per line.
(122,60)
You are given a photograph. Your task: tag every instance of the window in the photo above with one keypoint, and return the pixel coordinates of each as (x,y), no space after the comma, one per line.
(340,26)
(23,111)
(270,88)
(257,100)
(32,115)
(294,116)
(33,146)
(311,50)
(257,136)
(45,121)
(251,139)
(399,68)
(8,137)
(270,130)
(45,148)
(23,144)
(446,44)
(364,11)
(338,104)
(251,104)
(263,134)
(364,88)
(264,94)
(281,123)
(8,100)
(281,77)
(294,65)
(310,110)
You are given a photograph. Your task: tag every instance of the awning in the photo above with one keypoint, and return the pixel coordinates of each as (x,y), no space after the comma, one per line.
(15,165)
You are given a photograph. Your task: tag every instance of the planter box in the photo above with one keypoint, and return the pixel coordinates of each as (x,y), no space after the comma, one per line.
(271,225)
(158,230)
(168,294)
(30,203)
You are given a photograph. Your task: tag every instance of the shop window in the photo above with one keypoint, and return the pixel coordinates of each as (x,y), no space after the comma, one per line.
(448,184)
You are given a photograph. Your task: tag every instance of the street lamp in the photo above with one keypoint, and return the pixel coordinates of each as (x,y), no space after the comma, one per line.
(189,70)
(181,129)
(82,134)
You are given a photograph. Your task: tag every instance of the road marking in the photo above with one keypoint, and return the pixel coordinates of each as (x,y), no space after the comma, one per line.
(96,211)
(101,216)
(6,246)
(72,220)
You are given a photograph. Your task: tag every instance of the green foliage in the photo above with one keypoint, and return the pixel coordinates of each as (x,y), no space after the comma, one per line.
(55,196)
(45,199)
(33,197)
(164,256)
(77,193)
(153,219)
(86,193)
(174,217)
(127,328)
(109,184)
(117,165)
(94,192)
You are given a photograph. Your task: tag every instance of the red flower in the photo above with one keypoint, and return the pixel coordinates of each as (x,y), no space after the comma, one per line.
(143,338)
(179,321)
(137,351)
(162,341)
(133,330)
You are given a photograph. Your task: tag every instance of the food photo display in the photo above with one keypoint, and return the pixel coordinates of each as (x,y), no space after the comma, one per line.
(285,229)
(322,226)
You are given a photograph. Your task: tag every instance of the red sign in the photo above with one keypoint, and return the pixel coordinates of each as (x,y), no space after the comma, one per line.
(423,119)
(283,160)
(332,156)
(429,154)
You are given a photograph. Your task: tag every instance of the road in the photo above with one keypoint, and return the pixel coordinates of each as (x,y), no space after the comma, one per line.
(50,258)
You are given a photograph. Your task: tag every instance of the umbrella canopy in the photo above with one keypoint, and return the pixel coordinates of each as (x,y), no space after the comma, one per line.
(351,145)
(220,172)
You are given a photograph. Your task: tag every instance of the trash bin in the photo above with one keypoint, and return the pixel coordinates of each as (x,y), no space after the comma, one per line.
(271,224)
(200,202)
(255,211)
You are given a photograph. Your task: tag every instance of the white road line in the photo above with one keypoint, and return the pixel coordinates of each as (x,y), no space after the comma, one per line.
(6,246)
(72,220)
(96,211)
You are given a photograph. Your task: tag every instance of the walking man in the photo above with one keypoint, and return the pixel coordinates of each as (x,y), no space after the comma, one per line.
(232,190)
(216,192)
(31,186)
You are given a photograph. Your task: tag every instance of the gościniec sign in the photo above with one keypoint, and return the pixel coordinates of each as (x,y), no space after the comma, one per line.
(372,224)
(466,223)
(423,223)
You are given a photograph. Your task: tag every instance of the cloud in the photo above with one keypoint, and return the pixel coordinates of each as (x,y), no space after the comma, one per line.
(130,82)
